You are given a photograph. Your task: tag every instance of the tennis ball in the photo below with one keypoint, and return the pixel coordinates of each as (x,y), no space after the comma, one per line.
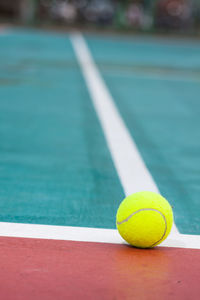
(144,219)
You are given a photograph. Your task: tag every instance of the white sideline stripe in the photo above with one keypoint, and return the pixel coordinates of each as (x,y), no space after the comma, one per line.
(131,169)
(84,234)
(70,233)
(133,173)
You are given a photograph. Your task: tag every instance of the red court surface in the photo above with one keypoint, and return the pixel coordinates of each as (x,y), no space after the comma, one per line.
(50,269)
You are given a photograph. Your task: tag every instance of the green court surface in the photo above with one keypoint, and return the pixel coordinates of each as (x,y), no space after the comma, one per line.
(156,86)
(55,165)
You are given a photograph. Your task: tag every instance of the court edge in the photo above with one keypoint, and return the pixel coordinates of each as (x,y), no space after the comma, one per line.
(83,234)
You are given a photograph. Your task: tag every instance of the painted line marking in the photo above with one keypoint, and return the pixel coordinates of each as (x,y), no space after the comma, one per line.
(131,169)
(83,234)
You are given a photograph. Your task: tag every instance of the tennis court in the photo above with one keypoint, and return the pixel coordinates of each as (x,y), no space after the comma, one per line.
(86,120)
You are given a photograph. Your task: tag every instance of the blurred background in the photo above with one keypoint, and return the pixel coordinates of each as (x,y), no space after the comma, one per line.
(134,15)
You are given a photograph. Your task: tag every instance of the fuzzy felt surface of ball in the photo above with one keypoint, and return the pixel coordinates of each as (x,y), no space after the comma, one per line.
(144,219)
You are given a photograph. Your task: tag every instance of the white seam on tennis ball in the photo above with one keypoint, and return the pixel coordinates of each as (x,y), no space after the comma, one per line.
(146,209)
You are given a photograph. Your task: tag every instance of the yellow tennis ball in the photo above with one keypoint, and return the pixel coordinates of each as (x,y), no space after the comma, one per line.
(144,219)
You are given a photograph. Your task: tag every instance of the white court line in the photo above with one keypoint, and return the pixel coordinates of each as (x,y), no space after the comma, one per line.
(131,169)
(83,234)
(133,173)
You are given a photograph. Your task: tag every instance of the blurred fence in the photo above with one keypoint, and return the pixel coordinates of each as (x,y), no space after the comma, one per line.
(182,15)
